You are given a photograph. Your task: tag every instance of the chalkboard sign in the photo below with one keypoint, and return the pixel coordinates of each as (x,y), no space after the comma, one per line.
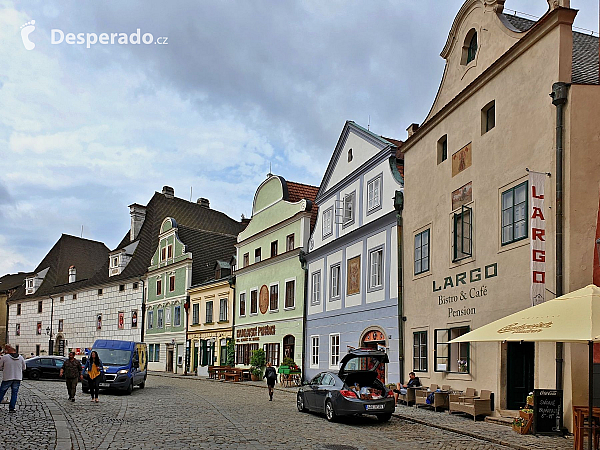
(547,411)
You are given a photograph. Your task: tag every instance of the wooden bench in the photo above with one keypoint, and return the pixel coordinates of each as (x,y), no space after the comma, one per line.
(233,376)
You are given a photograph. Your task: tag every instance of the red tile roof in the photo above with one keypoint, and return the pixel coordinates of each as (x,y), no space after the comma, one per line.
(299,191)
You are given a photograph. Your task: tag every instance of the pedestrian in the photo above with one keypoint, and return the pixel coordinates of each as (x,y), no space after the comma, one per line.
(12,366)
(71,369)
(95,372)
(271,377)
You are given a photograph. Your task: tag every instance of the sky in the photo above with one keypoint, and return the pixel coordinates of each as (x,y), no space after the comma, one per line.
(236,87)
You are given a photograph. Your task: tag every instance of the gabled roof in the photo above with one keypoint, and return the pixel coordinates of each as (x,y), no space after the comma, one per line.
(12,281)
(86,255)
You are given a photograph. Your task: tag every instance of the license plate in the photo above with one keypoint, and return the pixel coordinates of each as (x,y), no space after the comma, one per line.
(103,384)
(370,407)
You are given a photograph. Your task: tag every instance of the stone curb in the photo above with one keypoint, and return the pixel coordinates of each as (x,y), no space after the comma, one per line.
(63,436)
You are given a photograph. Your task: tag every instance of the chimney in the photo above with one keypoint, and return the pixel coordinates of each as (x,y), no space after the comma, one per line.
(245,220)
(138,214)
(412,129)
(203,202)
(72,274)
(553,4)
(168,191)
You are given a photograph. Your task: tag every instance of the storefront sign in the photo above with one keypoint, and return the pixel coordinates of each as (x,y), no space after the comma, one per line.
(462,195)
(461,160)
(474,275)
(537,237)
(519,328)
(253,333)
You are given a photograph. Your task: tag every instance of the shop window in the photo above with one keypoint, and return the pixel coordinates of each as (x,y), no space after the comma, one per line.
(289,243)
(451,357)
(196,314)
(158,287)
(290,294)
(171,283)
(243,353)
(246,260)
(334,283)
(328,222)
(376,269)
(223,310)
(514,214)
(274,297)
(156,352)
(420,351)
(314,352)
(209,312)
(272,353)
(254,302)
(334,351)
(242,304)
(273,249)
(177,316)
(150,319)
(40,306)
(422,252)
(160,318)
(257,255)
(463,234)
(374,193)
(488,117)
(315,288)
(150,352)
(18,309)
(349,207)
(442,149)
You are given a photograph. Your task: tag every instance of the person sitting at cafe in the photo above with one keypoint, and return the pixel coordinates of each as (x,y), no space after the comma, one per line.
(413,382)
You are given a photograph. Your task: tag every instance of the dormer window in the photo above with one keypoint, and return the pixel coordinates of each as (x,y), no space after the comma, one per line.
(169,251)
(469,47)
(30,283)
(114,261)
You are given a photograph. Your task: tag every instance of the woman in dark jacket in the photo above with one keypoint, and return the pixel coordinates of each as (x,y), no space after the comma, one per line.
(95,372)
(271,377)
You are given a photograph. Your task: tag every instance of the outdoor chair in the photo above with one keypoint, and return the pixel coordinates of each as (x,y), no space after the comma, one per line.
(474,406)
(421,394)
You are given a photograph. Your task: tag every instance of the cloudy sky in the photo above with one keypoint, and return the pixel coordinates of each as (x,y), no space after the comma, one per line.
(239,85)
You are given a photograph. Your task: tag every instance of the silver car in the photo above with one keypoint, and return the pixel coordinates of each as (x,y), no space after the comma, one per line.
(355,389)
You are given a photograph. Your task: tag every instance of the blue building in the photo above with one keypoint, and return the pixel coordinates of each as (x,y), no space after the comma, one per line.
(352,259)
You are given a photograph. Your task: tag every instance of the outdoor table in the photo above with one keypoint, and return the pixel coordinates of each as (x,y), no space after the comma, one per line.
(579,415)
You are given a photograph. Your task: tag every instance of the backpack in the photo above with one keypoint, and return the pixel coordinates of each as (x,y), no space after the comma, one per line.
(271,375)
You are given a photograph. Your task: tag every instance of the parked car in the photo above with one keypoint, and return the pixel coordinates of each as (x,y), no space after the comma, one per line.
(44,366)
(354,390)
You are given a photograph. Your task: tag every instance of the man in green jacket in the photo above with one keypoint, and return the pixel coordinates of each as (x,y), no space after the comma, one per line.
(72,372)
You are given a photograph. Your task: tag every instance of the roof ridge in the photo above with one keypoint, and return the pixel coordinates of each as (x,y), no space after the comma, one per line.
(200,230)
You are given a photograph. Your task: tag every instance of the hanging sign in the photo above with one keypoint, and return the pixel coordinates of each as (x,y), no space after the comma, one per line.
(537,237)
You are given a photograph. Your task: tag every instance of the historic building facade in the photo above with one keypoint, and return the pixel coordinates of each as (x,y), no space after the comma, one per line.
(8,286)
(483,200)
(352,259)
(269,275)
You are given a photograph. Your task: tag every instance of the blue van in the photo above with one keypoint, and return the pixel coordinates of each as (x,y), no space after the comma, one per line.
(125,365)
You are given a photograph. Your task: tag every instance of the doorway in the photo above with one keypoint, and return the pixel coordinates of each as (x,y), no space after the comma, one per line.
(289,343)
(37,349)
(519,373)
(375,339)
(170,360)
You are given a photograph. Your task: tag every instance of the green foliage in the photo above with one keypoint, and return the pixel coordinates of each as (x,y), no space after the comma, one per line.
(230,353)
(287,361)
(256,371)
(258,358)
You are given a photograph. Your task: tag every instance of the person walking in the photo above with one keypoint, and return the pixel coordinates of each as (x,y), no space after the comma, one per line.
(71,369)
(95,371)
(12,366)
(271,377)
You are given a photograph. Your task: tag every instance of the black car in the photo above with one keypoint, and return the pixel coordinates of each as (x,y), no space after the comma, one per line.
(355,389)
(44,366)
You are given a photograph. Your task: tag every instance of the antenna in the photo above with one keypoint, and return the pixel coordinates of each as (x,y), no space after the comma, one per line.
(81,231)
(369,123)
(190,193)
(270,173)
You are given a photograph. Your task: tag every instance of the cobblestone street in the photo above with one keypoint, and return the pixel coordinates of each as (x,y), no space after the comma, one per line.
(183,413)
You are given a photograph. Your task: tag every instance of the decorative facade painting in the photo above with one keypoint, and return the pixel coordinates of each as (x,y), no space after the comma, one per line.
(462,196)
(60,325)
(39,328)
(99,322)
(134,318)
(121,323)
(461,160)
(353,281)
(263,302)
(18,329)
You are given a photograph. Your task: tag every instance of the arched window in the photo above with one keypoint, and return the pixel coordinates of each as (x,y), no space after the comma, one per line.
(472,49)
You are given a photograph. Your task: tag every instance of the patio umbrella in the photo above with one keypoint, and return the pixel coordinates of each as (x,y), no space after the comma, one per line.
(573,317)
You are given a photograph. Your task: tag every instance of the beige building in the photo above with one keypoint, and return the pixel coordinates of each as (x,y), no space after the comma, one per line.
(474,219)
(211,320)
(8,285)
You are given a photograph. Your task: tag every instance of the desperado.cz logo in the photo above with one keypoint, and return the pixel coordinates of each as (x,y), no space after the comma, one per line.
(58,36)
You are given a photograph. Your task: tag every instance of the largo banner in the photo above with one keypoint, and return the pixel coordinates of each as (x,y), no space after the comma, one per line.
(537,237)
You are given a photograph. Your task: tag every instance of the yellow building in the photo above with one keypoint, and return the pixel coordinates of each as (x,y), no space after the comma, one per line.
(211,320)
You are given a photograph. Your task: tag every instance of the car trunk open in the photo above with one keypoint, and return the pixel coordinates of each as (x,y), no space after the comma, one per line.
(358,370)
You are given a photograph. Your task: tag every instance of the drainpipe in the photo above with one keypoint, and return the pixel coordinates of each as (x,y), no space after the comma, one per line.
(304,265)
(232,286)
(398,206)
(143,321)
(559,96)
(51,341)
(188,344)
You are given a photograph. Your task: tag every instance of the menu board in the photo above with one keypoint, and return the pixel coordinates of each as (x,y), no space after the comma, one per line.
(547,411)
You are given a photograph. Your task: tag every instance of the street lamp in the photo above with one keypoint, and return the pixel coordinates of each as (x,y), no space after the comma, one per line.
(48,331)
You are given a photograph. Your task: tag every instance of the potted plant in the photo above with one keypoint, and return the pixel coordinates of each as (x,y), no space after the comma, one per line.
(230,353)
(257,364)
(463,366)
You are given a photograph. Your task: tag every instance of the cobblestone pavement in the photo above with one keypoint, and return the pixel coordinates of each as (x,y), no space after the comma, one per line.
(173,412)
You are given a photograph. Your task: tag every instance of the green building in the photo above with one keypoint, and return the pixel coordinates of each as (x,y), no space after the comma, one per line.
(269,296)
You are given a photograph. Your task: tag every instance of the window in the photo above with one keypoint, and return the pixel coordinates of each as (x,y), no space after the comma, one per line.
(163,254)
(196,314)
(422,252)
(254,302)
(246,260)
(349,155)
(420,351)
(171,283)
(160,318)
(272,353)
(242,304)
(169,251)
(488,117)
(150,352)
(62,298)
(334,291)
(209,312)
(314,351)
(273,249)
(60,325)
(150,319)
(274,297)
(74,296)
(469,50)
(451,357)
(156,352)
(514,214)
(334,350)
(349,202)
(39,328)
(121,287)
(316,288)
(177,316)
(18,309)
(290,294)
(442,149)
(40,306)
(158,287)
(99,291)
(168,314)
(472,50)
(115,261)
(135,285)
(243,352)
(257,255)
(376,268)
(18,329)
(223,310)
(30,282)
(327,222)
(374,193)
(463,239)
(289,243)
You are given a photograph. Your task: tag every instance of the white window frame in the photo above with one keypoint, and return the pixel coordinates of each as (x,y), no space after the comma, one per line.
(374,193)
(160,317)
(334,351)
(376,268)
(349,209)
(243,296)
(255,289)
(315,288)
(285,293)
(314,351)
(150,319)
(327,217)
(174,286)
(223,312)
(212,312)
(278,297)
(195,313)
(335,294)
(114,261)
(170,247)
(175,322)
